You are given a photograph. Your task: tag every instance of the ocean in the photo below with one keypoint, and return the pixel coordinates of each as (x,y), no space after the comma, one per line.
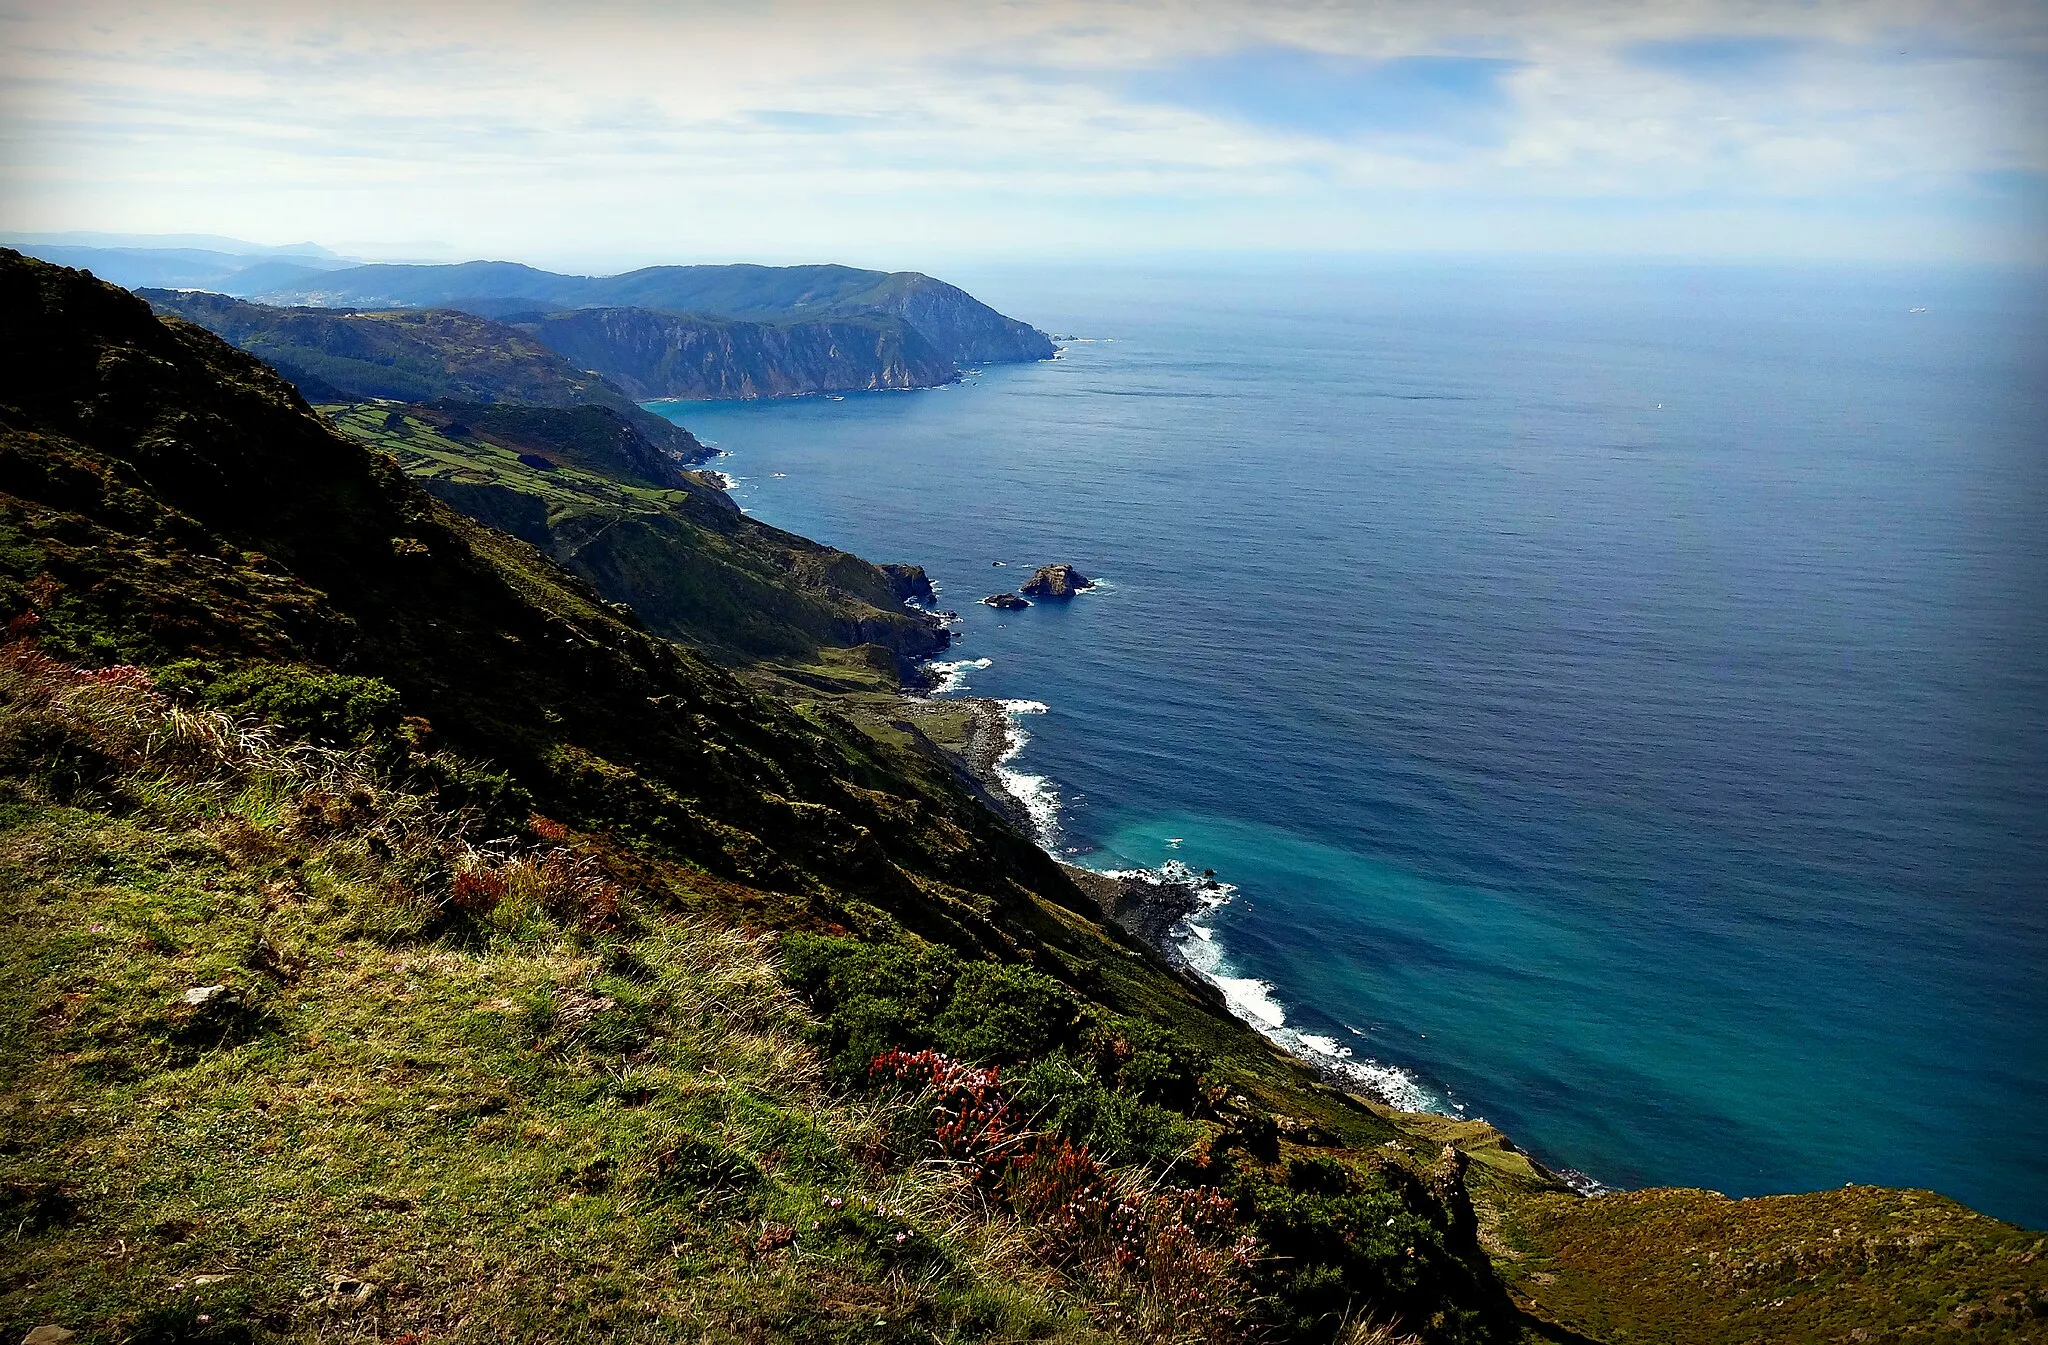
(1615,696)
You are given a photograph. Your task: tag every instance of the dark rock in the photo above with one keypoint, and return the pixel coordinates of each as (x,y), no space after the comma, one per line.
(910,583)
(537,462)
(1008,602)
(1056,581)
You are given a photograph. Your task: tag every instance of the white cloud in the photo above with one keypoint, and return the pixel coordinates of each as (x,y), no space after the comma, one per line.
(622,133)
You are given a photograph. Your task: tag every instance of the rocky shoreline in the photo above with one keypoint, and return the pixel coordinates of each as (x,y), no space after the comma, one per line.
(1147,908)
(989,739)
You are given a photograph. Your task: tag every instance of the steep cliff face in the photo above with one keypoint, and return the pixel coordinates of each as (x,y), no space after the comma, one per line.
(655,354)
(968,330)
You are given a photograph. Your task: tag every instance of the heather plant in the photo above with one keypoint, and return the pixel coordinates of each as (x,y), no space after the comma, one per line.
(1165,1257)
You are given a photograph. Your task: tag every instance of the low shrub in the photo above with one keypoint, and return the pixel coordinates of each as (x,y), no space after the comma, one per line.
(872,997)
(1150,1062)
(699,1173)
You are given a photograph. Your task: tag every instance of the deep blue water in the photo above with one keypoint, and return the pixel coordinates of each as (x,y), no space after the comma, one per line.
(1619,697)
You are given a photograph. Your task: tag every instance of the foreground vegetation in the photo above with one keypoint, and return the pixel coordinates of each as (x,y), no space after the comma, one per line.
(408,943)
(305,1057)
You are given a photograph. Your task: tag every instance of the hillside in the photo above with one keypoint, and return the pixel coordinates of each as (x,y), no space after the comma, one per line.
(407,945)
(169,499)
(952,322)
(671,546)
(413,356)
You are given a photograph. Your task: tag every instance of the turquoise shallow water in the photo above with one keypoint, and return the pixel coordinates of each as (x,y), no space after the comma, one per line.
(1617,697)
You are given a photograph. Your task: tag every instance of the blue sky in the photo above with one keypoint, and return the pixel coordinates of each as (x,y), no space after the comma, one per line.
(602,135)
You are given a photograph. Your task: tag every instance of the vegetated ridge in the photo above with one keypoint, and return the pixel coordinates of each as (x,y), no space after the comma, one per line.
(405,944)
(665,548)
(515,436)
(414,356)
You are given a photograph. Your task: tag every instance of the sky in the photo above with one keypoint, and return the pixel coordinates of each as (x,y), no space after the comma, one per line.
(600,136)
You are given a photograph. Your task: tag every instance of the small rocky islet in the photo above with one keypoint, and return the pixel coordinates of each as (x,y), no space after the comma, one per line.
(1056,582)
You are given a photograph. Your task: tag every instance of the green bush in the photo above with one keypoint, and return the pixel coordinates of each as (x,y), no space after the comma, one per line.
(63,760)
(874,997)
(1000,1015)
(333,709)
(1119,1086)
(1148,1061)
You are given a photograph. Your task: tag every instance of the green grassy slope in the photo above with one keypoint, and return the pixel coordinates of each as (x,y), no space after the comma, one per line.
(573,1114)
(1860,1264)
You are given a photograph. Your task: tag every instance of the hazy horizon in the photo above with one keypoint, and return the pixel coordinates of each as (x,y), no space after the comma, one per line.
(909,136)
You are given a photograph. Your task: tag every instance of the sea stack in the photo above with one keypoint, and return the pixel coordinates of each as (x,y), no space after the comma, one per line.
(1006,601)
(1056,581)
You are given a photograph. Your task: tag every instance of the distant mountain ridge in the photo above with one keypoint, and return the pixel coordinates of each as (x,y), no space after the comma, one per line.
(181,261)
(955,323)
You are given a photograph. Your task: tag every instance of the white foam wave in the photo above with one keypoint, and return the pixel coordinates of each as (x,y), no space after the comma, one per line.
(953,676)
(1040,797)
(1196,939)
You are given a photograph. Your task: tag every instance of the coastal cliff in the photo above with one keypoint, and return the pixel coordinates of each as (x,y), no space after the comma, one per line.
(654,354)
